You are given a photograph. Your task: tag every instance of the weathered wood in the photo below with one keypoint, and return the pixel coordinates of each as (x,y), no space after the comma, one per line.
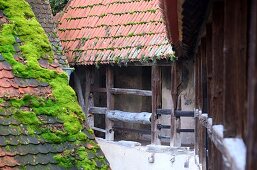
(235,66)
(217,100)
(209,67)
(197,86)
(252,89)
(185,130)
(174,94)
(99,129)
(90,116)
(218,61)
(177,113)
(98,110)
(109,135)
(98,90)
(129,117)
(78,90)
(156,103)
(89,101)
(131,91)
(132,130)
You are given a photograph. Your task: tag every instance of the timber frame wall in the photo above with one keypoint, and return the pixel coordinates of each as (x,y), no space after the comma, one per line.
(225,85)
(83,82)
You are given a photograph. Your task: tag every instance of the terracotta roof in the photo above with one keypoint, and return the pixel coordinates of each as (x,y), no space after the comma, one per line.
(44,15)
(97,31)
(39,129)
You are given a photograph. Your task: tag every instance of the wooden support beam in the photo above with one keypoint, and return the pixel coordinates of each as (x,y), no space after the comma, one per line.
(217,100)
(79,93)
(252,90)
(131,91)
(116,128)
(98,90)
(109,135)
(156,103)
(98,110)
(175,83)
(89,100)
(99,129)
(235,61)
(129,117)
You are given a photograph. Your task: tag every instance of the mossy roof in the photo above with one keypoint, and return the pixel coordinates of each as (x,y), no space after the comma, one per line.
(41,124)
(113,31)
(42,10)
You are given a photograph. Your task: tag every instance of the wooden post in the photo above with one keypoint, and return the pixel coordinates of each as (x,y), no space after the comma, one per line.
(197,77)
(174,94)
(156,103)
(90,116)
(78,90)
(109,135)
(203,103)
(209,87)
(252,90)
(235,24)
(89,100)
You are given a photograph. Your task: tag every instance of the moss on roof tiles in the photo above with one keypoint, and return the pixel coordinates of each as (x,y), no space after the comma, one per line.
(62,104)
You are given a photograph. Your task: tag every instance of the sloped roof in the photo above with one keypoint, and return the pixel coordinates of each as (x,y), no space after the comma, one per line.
(44,16)
(107,31)
(41,123)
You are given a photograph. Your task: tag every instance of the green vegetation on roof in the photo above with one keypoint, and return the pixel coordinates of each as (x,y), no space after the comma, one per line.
(62,104)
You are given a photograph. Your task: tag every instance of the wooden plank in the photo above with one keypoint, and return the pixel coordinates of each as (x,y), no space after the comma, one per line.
(109,135)
(129,117)
(235,66)
(98,110)
(78,90)
(218,61)
(252,89)
(156,103)
(131,91)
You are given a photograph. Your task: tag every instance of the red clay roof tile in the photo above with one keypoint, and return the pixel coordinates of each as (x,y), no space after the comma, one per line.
(98,31)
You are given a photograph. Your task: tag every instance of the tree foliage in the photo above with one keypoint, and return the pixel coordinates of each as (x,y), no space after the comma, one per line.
(58,5)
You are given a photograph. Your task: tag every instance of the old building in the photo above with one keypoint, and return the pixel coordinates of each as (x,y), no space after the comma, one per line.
(122,60)
(41,123)
(219,38)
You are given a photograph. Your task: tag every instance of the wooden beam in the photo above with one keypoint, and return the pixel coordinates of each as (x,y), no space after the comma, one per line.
(89,100)
(235,66)
(99,129)
(156,103)
(109,135)
(131,91)
(129,117)
(98,110)
(252,90)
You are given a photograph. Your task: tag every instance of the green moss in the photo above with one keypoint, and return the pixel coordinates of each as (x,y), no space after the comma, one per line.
(1,100)
(62,104)
(27,117)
